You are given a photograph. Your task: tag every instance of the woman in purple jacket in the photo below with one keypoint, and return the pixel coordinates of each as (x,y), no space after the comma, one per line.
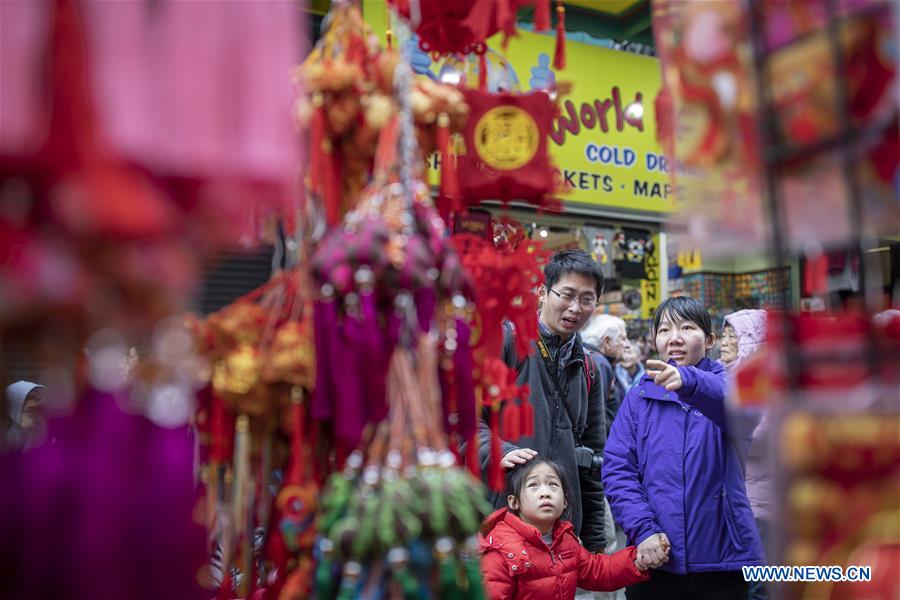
(672,472)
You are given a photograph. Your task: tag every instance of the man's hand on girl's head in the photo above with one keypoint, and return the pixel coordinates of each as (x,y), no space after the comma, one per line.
(520,456)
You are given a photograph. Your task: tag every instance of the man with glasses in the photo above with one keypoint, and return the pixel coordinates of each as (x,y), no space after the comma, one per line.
(569,424)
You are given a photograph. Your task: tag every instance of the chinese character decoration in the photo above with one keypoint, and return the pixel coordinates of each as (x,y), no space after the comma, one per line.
(506,148)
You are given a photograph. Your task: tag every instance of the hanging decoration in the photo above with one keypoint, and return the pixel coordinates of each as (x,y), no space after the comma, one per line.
(385,274)
(505,272)
(710,91)
(254,420)
(505,154)
(348,99)
(402,517)
(463,26)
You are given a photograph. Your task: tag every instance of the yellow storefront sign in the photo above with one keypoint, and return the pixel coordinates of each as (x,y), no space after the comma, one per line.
(603,143)
(650,287)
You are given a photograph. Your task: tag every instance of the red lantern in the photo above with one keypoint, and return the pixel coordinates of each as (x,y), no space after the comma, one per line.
(506,148)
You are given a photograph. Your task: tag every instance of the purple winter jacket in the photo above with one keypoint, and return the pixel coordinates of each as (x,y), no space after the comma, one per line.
(670,466)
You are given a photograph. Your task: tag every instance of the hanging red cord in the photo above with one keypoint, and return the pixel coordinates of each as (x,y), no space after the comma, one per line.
(559,57)
(541,15)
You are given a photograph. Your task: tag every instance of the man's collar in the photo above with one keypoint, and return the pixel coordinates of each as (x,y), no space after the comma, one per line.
(552,336)
(554,340)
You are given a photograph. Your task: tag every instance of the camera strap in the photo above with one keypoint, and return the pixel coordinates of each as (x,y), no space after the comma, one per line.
(556,376)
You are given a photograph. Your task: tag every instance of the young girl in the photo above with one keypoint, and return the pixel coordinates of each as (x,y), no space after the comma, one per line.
(530,552)
(672,471)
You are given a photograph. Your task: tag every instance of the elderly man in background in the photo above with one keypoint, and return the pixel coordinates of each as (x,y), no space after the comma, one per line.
(605,337)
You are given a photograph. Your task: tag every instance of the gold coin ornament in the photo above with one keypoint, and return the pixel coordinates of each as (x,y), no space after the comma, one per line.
(506,138)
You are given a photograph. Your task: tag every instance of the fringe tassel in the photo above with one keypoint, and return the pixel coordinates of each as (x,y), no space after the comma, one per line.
(241,475)
(815,275)
(225,592)
(332,170)
(559,57)
(512,421)
(297,427)
(541,15)
(495,472)
(526,418)
(665,113)
(317,136)
(221,426)
(472,459)
(506,20)
(449,178)
(389,34)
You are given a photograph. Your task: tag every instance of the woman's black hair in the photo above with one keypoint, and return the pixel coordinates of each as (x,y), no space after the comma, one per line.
(683,308)
(515,481)
(573,261)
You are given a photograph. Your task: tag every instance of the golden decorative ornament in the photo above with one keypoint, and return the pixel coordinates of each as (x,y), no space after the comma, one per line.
(292,357)
(506,138)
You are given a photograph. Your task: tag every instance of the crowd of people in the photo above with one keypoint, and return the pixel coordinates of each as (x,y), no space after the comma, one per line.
(643,447)
(635,477)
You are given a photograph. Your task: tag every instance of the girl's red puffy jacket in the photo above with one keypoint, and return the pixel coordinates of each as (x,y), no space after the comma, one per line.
(516,562)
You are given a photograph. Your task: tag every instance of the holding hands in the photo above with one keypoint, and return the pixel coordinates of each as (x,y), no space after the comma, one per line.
(664,374)
(653,552)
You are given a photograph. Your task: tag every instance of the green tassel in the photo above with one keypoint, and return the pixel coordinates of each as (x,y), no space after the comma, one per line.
(473,578)
(324,579)
(448,569)
(349,581)
(408,583)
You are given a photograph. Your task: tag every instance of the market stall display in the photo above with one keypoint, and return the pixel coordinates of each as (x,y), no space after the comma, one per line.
(819,76)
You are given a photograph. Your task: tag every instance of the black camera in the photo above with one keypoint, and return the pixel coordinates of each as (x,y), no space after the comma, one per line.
(588,461)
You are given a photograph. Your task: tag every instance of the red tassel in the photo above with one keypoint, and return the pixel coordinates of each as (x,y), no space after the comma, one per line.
(388,35)
(541,15)
(815,275)
(317,136)
(515,419)
(482,72)
(331,168)
(225,592)
(449,179)
(559,57)
(526,418)
(472,459)
(495,472)
(220,430)
(506,20)
(665,126)
(295,475)
(386,150)
(512,421)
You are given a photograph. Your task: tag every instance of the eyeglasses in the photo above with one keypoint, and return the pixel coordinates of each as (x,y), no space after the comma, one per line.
(586,302)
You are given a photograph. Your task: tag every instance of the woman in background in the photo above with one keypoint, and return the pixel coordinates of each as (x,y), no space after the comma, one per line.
(743,334)
(629,369)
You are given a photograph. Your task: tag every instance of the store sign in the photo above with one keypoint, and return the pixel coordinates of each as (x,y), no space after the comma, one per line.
(650,287)
(603,142)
